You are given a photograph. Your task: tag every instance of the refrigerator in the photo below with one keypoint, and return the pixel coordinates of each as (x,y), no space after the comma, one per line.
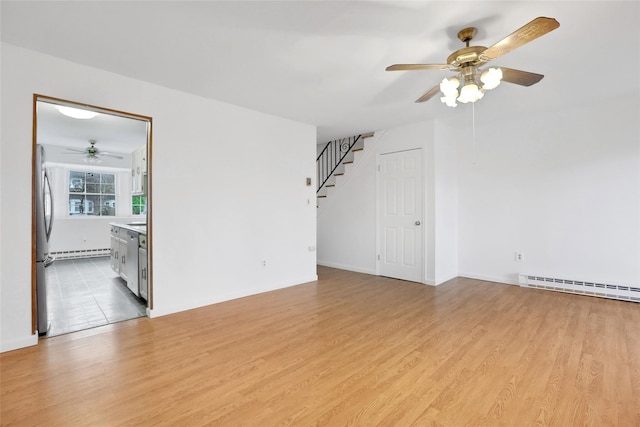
(44,224)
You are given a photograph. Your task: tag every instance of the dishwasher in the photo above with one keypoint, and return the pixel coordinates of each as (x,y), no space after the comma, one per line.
(143,265)
(132,262)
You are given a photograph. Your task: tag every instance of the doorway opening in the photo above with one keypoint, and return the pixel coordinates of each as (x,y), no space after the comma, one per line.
(91,182)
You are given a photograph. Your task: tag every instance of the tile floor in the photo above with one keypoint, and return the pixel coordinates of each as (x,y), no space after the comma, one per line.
(85,293)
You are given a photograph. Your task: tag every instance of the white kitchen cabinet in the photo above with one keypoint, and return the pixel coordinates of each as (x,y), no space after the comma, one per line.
(132,262)
(135,172)
(115,249)
(143,159)
(129,257)
(115,260)
(139,170)
(122,254)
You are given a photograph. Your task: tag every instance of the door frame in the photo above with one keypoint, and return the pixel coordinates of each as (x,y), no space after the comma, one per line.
(66,102)
(379,239)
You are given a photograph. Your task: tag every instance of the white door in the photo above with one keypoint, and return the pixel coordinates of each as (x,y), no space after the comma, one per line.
(400,196)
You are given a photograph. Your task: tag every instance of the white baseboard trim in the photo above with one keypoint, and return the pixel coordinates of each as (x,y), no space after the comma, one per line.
(441,280)
(506,280)
(347,267)
(246,292)
(19,343)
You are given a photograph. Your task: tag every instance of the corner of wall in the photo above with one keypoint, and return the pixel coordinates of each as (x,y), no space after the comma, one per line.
(19,343)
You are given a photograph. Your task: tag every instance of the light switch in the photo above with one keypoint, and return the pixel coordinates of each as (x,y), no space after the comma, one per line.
(308,182)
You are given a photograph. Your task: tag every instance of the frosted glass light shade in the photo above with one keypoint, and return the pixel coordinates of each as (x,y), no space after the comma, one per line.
(449,87)
(450,100)
(491,78)
(92,159)
(470,93)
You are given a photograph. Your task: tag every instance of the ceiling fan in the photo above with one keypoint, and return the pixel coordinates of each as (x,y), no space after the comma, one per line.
(93,153)
(472,80)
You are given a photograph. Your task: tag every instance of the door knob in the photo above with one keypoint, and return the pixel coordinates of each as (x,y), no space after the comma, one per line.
(417,222)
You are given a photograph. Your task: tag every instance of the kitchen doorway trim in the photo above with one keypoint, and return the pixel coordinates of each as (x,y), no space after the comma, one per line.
(74,104)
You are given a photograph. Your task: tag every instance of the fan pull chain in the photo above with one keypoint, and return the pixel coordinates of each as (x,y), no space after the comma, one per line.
(473,130)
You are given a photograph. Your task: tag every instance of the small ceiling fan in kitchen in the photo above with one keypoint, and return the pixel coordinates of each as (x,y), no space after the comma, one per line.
(474,81)
(93,154)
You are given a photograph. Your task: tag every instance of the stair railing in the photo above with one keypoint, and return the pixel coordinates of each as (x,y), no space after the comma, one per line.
(332,156)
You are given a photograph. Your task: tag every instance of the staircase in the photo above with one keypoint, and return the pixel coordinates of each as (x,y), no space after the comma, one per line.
(332,160)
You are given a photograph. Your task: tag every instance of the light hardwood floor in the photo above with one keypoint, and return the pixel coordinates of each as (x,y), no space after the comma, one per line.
(350,349)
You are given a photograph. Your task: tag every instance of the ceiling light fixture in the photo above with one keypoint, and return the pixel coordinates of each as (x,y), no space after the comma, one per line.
(473,88)
(92,159)
(76,113)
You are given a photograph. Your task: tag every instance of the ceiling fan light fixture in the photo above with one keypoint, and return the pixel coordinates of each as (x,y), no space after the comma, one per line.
(470,93)
(491,78)
(449,100)
(466,61)
(449,87)
(76,113)
(92,159)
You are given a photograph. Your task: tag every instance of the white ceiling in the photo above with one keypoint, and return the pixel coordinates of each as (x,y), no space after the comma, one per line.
(112,133)
(323,62)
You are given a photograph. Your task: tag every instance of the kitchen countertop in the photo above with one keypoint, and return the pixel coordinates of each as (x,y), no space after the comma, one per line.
(132,226)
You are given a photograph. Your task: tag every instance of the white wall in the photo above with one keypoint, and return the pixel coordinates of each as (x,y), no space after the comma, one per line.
(562,187)
(84,233)
(445,204)
(228,189)
(71,233)
(347,218)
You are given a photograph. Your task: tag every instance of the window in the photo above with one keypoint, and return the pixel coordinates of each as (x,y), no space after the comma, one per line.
(92,193)
(139,205)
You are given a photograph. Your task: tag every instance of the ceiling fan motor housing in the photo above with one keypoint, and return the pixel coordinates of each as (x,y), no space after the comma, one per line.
(465,56)
(92,151)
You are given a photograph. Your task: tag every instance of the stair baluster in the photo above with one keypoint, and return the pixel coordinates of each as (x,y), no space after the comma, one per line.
(331,157)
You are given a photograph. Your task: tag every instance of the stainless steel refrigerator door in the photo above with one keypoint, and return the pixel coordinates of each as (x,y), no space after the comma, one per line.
(41,298)
(48,205)
(41,234)
(44,224)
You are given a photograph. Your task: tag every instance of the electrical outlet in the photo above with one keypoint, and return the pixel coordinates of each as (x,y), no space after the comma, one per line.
(519,256)
(264,263)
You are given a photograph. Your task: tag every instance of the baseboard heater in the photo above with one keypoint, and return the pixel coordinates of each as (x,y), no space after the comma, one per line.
(596,289)
(82,253)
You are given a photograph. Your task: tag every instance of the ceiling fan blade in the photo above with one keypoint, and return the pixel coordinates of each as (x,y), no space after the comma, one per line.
(529,32)
(408,67)
(427,96)
(522,78)
(102,153)
(75,151)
